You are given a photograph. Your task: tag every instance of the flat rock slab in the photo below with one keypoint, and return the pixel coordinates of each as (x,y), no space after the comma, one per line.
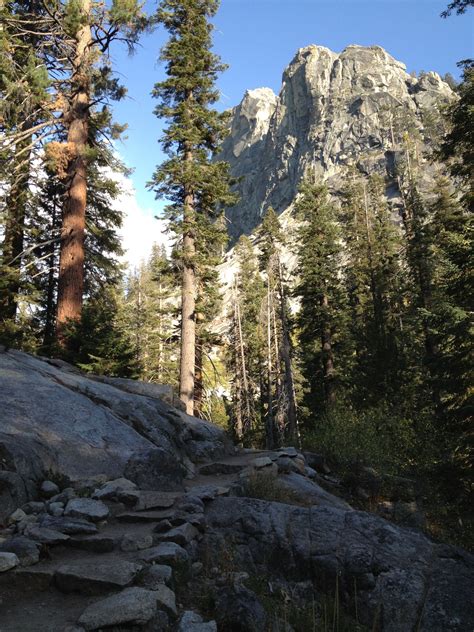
(91,578)
(209,492)
(8,561)
(144,516)
(70,526)
(165,553)
(87,508)
(45,535)
(154,500)
(132,606)
(262,461)
(220,468)
(94,543)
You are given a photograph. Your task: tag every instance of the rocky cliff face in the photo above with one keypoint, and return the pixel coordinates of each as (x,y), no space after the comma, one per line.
(333,111)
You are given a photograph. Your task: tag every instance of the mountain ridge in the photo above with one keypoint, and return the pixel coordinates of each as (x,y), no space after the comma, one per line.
(334,111)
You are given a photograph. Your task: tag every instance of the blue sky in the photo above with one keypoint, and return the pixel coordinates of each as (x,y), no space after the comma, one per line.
(258,38)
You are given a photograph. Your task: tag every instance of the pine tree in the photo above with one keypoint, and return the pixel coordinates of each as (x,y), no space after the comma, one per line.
(281,399)
(189,179)
(450,320)
(150,314)
(374,283)
(322,319)
(24,87)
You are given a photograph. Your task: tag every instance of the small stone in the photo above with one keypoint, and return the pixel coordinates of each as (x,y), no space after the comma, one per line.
(33,507)
(193,622)
(192,504)
(197,568)
(183,535)
(136,542)
(162,526)
(16,516)
(132,606)
(49,489)
(8,561)
(25,522)
(165,553)
(156,575)
(87,508)
(56,509)
(64,497)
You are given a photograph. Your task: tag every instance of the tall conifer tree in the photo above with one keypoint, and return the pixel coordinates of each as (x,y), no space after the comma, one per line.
(189,179)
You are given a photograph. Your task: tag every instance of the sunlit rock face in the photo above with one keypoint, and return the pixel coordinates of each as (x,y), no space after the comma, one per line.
(333,111)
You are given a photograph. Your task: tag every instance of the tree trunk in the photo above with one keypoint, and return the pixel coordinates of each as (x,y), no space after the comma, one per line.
(328,359)
(198,379)
(188,303)
(269,430)
(285,352)
(71,259)
(48,338)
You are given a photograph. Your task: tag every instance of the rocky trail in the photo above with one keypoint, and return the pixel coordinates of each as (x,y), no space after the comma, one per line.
(151,520)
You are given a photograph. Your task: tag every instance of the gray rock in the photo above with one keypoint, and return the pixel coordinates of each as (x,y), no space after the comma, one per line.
(131,606)
(238,603)
(183,535)
(144,516)
(332,109)
(308,492)
(209,492)
(64,497)
(156,468)
(165,553)
(166,599)
(262,461)
(113,433)
(17,516)
(56,509)
(399,573)
(109,490)
(27,551)
(13,487)
(87,508)
(8,561)
(70,526)
(94,543)
(90,578)
(49,489)
(34,507)
(45,535)
(154,500)
(156,575)
(193,622)
(132,542)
